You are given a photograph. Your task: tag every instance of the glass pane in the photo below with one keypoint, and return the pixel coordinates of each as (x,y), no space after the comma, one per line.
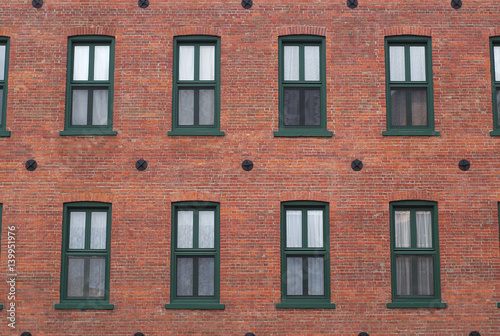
(3,48)
(186,63)
(315,228)
(291,63)
(101,63)
(98,230)
(97,275)
(402,228)
(293,228)
(291,106)
(425,269)
(206,273)
(498,106)
(184,276)
(398,107)
(206,229)
(294,276)
(496,55)
(417,64)
(77,230)
(81,63)
(311,63)
(206,107)
(397,63)
(424,229)
(185,229)
(312,107)
(403,275)
(186,107)
(207,63)
(419,107)
(75,277)
(100,108)
(79,107)
(316,276)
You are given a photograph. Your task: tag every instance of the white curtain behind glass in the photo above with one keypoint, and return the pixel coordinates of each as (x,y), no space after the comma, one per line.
(2,62)
(81,63)
(293,228)
(75,277)
(185,229)
(77,230)
(402,228)
(291,63)
(186,63)
(97,274)
(294,276)
(424,229)
(98,230)
(207,63)
(315,228)
(79,107)
(397,63)
(101,63)
(316,275)
(403,275)
(425,269)
(311,63)
(206,229)
(496,55)
(206,271)
(100,107)
(184,276)
(417,63)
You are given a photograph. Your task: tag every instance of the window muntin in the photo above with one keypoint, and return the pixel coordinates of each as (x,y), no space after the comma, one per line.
(4,66)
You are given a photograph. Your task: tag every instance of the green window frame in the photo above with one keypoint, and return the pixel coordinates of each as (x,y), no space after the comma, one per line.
(495,83)
(302,86)
(409,86)
(195,262)
(4,71)
(415,267)
(305,255)
(85,265)
(89,86)
(196,86)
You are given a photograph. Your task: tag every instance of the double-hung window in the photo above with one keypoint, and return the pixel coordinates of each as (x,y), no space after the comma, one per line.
(196,96)
(85,256)
(495,83)
(415,255)
(195,256)
(4,67)
(409,90)
(305,259)
(89,92)
(302,86)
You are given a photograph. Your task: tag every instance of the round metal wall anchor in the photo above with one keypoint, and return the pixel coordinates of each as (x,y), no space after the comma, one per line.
(247,4)
(141,165)
(31,165)
(37,3)
(474,333)
(356,165)
(138,334)
(464,165)
(247,165)
(143,3)
(352,3)
(363,334)
(26,334)
(456,4)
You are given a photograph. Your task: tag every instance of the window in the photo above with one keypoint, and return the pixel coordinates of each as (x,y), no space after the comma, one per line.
(195,256)
(409,91)
(4,69)
(495,83)
(302,86)
(89,91)
(305,259)
(85,256)
(415,255)
(196,96)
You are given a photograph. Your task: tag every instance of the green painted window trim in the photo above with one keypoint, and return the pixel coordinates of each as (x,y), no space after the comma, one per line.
(498,305)
(495,85)
(195,302)
(84,303)
(302,131)
(305,301)
(202,130)
(406,41)
(416,301)
(3,132)
(87,130)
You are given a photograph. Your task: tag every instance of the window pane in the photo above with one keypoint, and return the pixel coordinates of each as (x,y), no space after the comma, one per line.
(206,229)
(291,63)
(402,228)
(81,63)
(186,107)
(293,228)
(184,276)
(403,275)
(397,63)
(206,107)
(79,107)
(207,63)
(185,229)
(291,105)
(425,269)
(312,107)
(424,229)
(186,63)
(75,277)
(419,107)
(97,275)
(417,63)
(294,276)
(398,107)
(77,230)
(98,230)
(206,271)
(100,107)
(315,228)
(496,55)
(101,63)
(311,63)
(316,276)
(3,48)
(498,105)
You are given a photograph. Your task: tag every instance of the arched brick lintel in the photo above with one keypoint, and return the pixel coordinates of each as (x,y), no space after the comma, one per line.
(213,31)
(87,197)
(195,196)
(7,32)
(304,196)
(408,30)
(413,195)
(302,30)
(78,31)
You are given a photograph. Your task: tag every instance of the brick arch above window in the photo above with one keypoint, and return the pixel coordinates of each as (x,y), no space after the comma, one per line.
(413,195)
(87,197)
(5,32)
(180,31)
(408,30)
(92,31)
(494,31)
(304,195)
(185,196)
(302,30)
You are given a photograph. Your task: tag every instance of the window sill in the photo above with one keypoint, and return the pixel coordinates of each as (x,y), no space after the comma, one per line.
(4,133)
(495,132)
(91,305)
(88,131)
(410,132)
(416,304)
(305,305)
(197,132)
(196,305)
(302,132)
